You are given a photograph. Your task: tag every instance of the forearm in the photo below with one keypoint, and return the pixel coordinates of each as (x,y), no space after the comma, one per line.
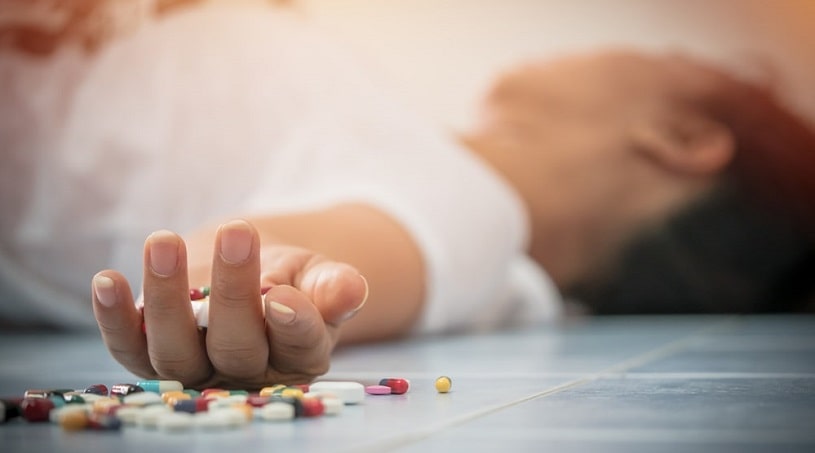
(357,234)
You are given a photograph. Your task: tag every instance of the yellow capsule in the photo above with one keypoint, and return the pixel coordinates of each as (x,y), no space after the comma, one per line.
(269,391)
(73,420)
(173,400)
(292,392)
(102,405)
(246,410)
(221,394)
(174,394)
(443,384)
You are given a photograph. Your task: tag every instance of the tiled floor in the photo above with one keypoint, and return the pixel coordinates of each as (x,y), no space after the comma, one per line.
(610,384)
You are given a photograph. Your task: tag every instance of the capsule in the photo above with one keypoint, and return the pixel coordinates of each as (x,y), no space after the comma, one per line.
(296,403)
(76,397)
(103,422)
(196,294)
(256,400)
(174,395)
(210,392)
(10,408)
(191,406)
(74,420)
(160,386)
(443,384)
(269,391)
(122,390)
(97,389)
(312,407)
(398,386)
(36,409)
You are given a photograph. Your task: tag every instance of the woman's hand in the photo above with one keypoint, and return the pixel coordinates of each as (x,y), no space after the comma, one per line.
(285,336)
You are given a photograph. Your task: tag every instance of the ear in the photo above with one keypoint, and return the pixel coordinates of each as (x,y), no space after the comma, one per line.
(687,143)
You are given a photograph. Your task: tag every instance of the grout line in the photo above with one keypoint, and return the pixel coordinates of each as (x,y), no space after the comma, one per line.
(638,360)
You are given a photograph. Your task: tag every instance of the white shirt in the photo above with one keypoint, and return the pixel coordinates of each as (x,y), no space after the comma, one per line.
(220,112)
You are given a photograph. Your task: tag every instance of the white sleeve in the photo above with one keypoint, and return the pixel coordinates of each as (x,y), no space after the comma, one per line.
(227,111)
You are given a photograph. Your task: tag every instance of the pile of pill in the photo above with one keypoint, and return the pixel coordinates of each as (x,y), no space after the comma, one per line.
(167,406)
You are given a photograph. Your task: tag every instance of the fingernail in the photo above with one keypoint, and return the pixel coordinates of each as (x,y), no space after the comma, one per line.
(236,241)
(365,297)
(280,312)
(105,290)
(353,312)
(163,253)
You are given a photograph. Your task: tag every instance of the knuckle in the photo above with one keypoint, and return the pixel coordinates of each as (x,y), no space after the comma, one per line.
(237,360)
(175,366)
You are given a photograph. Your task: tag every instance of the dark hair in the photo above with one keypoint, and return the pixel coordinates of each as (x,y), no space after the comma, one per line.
(748,245)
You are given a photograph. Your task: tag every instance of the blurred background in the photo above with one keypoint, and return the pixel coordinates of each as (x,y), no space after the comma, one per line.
(442,53)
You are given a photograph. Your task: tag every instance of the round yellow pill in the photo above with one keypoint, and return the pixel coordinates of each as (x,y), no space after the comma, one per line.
(443,384)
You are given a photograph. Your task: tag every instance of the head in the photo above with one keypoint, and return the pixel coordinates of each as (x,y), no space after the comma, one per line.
(650,181)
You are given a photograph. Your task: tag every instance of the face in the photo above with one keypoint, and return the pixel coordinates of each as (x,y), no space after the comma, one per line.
(564,134)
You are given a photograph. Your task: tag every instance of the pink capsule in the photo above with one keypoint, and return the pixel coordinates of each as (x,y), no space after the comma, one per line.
(196,294)
(398,386)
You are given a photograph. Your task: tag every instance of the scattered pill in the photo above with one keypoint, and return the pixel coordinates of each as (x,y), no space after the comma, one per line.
(104,404)
(291,392)
(73,420)
(443,384)
(142,399)
(208,393)
(377,390)
(36,409)
(348,391)
(398,386)
(148,417)
(122,390)
(160,386)
(257,400)
(90,398)
(196,294)
(36,393)
(192,392)
(332,406)
(269,391)
(174,422)
(128,415)
(76,397)
(96,389)
(312,407)
(56,414)
(227,401)
(10,408)
(171,397)
(103,422)
(277,411)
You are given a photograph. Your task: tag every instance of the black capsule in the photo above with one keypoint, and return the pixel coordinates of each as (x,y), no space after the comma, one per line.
(10,408)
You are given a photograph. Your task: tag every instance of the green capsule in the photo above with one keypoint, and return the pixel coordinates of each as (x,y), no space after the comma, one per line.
(238,392)
(192,392)
(205,291)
